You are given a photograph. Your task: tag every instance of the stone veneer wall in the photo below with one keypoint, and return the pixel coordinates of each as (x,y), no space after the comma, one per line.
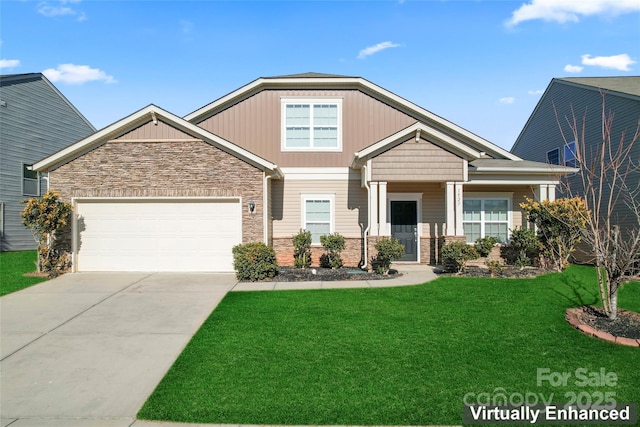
(351,256)
(164,169)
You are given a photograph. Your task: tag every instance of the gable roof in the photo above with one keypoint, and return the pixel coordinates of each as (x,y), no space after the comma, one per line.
(629,85)
(327,81)
(624,86)
(17,78)
(151,112)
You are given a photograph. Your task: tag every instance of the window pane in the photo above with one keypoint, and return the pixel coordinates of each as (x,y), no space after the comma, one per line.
(318,210)
(30,187)
(325,137)
(317,230)
(325,115)
(471,210)
(495,210)
(553,157)
(298,115)
(26,173)
(471,231)
(298,137)
(570,155)
(497,230)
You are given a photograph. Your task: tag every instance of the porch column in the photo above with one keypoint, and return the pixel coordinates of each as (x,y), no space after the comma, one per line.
(459,209)
(382,203)
(551,192)
(449,202)
(373,209)
(542,192)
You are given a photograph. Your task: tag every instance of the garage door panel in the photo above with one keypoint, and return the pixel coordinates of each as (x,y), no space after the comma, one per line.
(163,235)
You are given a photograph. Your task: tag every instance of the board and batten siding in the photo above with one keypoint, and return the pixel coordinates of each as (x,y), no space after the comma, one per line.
(350,208)
(255,124)
(542,132)
(35,122)
(417,161)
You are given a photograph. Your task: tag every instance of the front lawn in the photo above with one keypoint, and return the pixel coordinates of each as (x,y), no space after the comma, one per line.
(13,266)
(389,356)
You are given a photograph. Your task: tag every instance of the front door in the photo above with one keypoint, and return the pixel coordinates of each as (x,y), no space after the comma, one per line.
(404,227)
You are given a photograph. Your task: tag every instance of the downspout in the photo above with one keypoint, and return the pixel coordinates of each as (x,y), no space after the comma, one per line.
(366,230)
(265,213)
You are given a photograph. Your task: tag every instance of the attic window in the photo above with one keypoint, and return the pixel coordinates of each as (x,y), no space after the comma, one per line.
(553,156)
(311,125)
(570,155)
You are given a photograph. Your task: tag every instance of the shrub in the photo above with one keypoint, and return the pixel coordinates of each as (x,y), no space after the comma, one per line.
(333,245)
(523,248)
(302,249)
(47,216)
(389,249)
(560,225)
(485,244)
(494,267)
(254,261)
(456,254)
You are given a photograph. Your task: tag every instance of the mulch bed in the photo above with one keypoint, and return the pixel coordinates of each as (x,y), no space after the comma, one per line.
(626,325)
(290,274)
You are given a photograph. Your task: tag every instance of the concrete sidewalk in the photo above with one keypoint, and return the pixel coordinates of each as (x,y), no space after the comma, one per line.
(87,349)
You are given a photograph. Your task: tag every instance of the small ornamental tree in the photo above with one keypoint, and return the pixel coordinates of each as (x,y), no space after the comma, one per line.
(560,226)
(46,217)
(389,249)
(334,245)
(302,249)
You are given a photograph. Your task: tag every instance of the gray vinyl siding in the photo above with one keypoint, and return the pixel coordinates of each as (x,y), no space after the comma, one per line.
(35,122)
(542,132)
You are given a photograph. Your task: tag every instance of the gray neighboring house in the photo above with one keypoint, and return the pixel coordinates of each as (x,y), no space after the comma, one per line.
(36,120)
(542,141)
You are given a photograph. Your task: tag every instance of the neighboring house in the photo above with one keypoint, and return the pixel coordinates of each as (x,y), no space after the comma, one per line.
(36,120)
(319,152)
(541,139)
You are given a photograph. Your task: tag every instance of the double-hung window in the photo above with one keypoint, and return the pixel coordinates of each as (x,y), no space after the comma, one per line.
(311,125)
(317,215)
(29,181)
(483,217)
(570,155)
(553,156)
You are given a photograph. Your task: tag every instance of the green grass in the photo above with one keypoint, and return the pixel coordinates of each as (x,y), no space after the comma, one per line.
(13,266)
(388,356)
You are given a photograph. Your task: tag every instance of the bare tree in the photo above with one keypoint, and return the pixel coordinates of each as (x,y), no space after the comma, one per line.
(608,181)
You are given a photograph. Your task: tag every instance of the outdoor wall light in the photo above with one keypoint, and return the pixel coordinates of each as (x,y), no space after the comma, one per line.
(252,206)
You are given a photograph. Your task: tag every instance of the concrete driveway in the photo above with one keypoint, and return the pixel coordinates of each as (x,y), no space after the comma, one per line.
(95,345)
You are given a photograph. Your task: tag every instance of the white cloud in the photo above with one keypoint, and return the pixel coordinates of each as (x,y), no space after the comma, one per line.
(61,8)
(570,10)
(9,63)
(536,92)
(375,49)
(573,68)
(617,62)
(507,100)
(77,74)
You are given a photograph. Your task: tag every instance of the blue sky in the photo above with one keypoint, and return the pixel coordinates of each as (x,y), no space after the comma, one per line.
(480,64)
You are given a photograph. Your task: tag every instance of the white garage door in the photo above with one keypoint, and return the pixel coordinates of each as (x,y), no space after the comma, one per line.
(157,235)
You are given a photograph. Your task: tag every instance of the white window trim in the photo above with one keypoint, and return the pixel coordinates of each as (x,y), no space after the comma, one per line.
(311,101)
(36,180)
(508,196)
(546,156)
(318,196)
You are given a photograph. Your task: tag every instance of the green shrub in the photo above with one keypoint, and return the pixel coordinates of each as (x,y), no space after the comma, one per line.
(302,249)
(389,249)
(254,261)
(523,248)
(485,244)
(456,254)
(495,267)
(333,245)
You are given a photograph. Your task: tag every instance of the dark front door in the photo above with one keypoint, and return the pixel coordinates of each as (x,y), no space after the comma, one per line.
(404,227)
